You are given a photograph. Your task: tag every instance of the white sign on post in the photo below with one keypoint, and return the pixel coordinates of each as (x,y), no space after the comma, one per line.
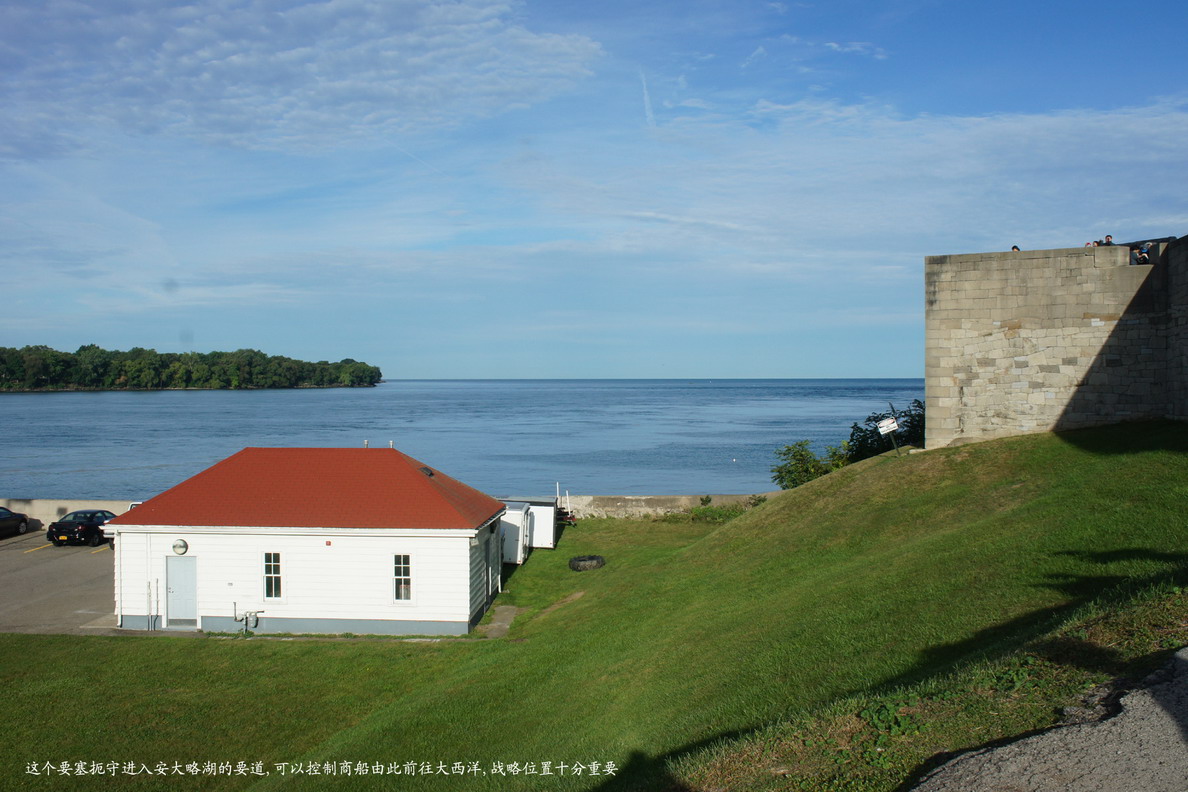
(888,425)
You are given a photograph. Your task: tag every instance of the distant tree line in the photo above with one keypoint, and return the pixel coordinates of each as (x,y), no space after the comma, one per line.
(35,368)
(800,465)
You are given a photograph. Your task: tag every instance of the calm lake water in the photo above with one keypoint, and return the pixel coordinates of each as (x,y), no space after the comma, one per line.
(505,437)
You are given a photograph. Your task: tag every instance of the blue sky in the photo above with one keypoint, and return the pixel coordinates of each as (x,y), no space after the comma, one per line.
(480,189)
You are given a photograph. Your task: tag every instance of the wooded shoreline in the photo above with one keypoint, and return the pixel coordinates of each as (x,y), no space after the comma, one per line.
(73,389)
(38,369)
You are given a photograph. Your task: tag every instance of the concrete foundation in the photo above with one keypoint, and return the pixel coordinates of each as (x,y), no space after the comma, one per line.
(267,626)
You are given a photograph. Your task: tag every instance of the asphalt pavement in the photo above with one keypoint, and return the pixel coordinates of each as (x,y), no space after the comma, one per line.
(1144,748)
(49,589)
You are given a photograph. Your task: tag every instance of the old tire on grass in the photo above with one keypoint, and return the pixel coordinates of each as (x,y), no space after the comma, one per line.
(584,563)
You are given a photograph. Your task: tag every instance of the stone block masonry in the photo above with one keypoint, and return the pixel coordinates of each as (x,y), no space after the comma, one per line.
(1053,339)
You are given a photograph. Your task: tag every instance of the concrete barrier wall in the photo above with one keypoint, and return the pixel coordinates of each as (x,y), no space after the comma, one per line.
(1051,339)
(641,505)
(43,511)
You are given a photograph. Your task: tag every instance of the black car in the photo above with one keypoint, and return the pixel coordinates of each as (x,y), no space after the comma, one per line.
(13,522)
(80,526)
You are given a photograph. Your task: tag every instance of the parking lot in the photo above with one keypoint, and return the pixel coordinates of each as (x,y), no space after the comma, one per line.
(48,589)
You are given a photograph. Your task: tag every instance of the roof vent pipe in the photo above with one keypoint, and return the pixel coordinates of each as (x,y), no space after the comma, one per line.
(365,444)
(391,444)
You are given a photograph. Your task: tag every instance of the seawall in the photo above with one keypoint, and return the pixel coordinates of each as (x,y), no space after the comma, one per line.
(43,511)
(641,505)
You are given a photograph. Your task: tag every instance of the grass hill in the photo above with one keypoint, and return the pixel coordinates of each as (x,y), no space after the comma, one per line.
(701,653)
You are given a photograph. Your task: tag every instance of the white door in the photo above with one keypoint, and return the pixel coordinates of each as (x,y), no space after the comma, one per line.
(181,591)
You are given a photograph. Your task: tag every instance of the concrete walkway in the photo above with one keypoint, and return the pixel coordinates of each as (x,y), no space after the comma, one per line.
(500,622)
(1144,748)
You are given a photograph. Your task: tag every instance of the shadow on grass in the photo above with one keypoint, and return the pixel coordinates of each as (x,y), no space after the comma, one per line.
(1129,438)
(1079,590)
(1091,657)
(507,573)
(1127,554)
(643,772)
(1000,640)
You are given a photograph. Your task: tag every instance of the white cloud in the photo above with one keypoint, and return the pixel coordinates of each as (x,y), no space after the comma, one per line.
(858,48)
(155,298)
(759,54)
(649,116)
(827,187)
(53,235)
(808,192)
(686,221)
(286,75)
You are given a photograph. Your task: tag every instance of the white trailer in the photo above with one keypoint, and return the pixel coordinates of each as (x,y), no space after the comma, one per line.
(544,520)
(515,526)
(544,525)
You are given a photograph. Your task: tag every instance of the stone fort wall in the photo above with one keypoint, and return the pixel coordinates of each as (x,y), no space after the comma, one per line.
(1047,340)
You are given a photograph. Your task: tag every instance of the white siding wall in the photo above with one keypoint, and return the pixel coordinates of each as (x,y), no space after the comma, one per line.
(349,578)
(544,526)
(130,580)
(515,525)
(485,564)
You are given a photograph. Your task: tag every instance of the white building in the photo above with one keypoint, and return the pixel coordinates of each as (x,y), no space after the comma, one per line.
(542,522)
(310,540)
(516,527)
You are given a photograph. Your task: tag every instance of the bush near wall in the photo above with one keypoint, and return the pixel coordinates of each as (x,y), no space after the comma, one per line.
(801,465)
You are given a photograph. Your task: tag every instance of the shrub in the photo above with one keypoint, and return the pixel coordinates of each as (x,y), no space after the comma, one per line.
(865,440)
(717,514)
(801,465)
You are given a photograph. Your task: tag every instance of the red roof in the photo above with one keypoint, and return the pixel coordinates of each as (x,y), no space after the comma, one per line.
(318,488)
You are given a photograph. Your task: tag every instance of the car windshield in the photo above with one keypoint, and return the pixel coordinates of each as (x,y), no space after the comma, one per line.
(79,516)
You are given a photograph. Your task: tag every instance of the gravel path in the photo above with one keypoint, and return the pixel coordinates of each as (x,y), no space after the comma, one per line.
(1144,748)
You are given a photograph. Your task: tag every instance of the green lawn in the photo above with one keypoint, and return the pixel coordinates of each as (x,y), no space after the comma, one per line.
(880,575)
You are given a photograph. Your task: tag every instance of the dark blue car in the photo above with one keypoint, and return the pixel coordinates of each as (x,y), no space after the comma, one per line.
(84,526)
(13,522)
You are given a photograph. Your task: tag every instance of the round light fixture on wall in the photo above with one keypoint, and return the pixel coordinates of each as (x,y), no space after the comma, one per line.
(180,547)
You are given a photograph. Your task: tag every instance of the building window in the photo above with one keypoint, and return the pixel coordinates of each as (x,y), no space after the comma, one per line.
(272,576)
(403,577)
